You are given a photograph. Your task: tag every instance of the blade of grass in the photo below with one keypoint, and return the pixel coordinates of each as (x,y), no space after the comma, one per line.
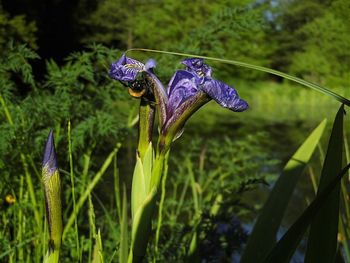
(263,238)
(259,68)
(20,219)
(89,188)
(124,248)
(76,232)
(322,242)
(117,189)
(25,167)
(92,226)
(17,246)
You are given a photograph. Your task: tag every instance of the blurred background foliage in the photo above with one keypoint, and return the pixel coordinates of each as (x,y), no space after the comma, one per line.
(54,61)
(307,38)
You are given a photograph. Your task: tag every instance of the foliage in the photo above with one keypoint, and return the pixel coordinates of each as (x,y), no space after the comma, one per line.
(80,91)
(16,28)
(207,28)
(311,39)
(228,172)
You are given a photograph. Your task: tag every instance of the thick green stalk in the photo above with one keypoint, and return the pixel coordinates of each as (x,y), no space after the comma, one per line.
(146,121)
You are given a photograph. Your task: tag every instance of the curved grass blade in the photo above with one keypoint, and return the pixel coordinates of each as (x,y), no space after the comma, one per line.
(322,242)
(287,245)
(123,248)
(259,68)
(263,238)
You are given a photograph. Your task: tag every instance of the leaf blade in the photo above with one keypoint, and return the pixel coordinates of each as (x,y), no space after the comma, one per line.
(322,242)
(262,239)
(286,246)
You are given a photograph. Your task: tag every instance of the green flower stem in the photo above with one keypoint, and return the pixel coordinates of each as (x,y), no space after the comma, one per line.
(76,232)
(145,126)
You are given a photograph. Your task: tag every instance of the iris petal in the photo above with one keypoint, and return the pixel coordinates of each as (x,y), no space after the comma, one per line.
(197,66)
(225,95)
(181,87)
(126,69)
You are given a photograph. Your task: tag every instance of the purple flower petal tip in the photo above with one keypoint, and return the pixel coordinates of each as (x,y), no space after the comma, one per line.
(150,64)
(50,158)
(225,95)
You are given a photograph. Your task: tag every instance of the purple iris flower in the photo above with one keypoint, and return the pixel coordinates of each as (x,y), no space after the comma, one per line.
(127,69)
(187,91)
(197,76)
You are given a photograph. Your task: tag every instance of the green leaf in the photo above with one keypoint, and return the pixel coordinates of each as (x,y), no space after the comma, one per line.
(287,245)
(123,249)
(322,242)
(138,190)
(263,238)
(141,227)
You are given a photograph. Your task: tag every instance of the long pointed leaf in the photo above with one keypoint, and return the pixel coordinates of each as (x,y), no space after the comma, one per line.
(287,245)
(322,242)
(142,227)
(263,238)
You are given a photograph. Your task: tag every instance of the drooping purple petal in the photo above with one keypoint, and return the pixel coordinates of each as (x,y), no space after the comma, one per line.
(50,159)
(223,94)
(126,69)
(181,87)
